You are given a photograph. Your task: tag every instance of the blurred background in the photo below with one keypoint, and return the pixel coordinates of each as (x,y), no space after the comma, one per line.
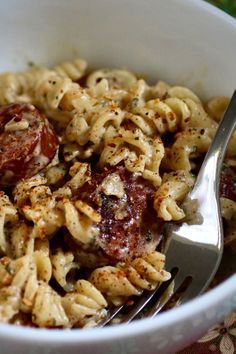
(228,6)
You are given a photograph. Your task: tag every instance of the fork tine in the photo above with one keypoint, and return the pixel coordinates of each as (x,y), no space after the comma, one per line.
(162,300)
(171,288)
(137,307)
(179,279)
(112,314)
(164,294)
(176,289)
(146,299)
(143,301)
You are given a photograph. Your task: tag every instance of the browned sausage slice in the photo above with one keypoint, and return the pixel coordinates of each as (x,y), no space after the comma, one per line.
(27,143)
(129,225)
(228,183)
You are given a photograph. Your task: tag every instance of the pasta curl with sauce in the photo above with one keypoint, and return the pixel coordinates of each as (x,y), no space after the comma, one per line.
(124,280)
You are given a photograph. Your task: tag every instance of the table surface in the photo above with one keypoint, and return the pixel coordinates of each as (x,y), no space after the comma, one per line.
(220,339)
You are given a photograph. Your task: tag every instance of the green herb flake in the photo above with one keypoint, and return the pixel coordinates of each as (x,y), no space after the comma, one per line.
(31,64)
(225,167)
(149,236)
(135,101)
(9,269)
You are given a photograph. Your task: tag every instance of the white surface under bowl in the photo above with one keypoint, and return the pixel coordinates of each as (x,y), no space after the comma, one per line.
(182,42)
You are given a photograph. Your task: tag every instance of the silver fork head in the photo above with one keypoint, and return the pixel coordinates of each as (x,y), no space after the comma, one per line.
(193,255)
(196,250)
(192,261)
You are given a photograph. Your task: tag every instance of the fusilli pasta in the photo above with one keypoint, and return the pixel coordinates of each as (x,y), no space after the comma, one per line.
(126,280)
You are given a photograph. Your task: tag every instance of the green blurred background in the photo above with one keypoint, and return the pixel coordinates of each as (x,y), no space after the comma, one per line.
(228,6)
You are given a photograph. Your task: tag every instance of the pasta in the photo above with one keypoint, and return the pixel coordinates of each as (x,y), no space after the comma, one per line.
(92,164)
(127,280)
(62,264)
(175,186)
(72,69)
(85,305)
(7,213)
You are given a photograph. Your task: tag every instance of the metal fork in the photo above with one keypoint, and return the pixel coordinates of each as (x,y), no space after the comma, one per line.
(195,248)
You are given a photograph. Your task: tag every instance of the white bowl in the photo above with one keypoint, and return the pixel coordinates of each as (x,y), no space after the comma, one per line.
(182,42)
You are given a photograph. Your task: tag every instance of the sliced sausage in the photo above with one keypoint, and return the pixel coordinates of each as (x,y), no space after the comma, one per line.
(129,225)
(27,143)
(228,183)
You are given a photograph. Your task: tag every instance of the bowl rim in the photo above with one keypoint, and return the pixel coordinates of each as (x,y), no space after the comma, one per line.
(210,8)
(196,306)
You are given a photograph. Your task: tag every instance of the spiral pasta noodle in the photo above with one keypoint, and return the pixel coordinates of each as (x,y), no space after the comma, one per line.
(8,213)
(174,188)
(86,305)
(10,303)
(193,141)
(48,310)
(19,87)
(126,280)
(72,69)
(135,149)
(24,274)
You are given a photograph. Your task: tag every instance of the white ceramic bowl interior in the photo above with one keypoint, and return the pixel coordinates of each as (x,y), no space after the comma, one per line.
(182,42)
